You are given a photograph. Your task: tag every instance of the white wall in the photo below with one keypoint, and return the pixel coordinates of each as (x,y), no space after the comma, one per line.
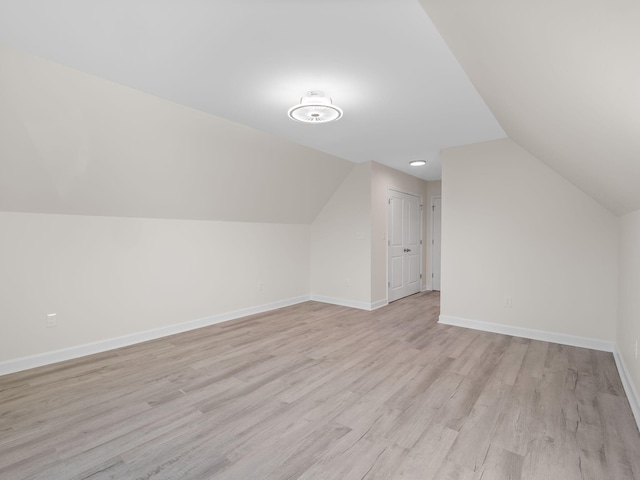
(513,227)
(352,225)
(115,159)
(629,295)
(77,144)
(341,243)
(107,277)
(561,80)
(383,178)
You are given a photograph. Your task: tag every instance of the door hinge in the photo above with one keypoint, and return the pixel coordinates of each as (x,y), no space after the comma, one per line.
(389,242)
(420,242)
(389,201)
(433,208)
(432,275)
(420,275)
(389,284)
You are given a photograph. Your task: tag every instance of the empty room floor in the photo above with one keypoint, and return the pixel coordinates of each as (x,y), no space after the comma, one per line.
(317,391)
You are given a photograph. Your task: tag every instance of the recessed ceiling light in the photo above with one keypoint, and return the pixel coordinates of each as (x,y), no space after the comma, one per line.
(418,163)
(315,107)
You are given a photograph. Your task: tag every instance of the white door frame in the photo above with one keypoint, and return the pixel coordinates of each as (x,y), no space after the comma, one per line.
(422,246)
(431,256)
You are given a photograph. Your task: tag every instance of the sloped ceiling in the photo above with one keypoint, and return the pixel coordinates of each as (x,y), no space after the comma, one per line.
(73,143)
(383,62)
(563,80)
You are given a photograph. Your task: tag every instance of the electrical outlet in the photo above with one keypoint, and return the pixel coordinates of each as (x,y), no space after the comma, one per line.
(52,320)
(508,302)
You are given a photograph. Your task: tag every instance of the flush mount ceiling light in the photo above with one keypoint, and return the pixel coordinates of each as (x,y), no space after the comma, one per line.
(418,163)
(315,107)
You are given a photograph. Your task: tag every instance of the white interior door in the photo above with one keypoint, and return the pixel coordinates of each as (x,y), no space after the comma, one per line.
(405,244)
(436,212)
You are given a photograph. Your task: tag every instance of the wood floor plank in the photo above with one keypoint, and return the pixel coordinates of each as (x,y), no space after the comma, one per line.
(449,470)
(508,365)
(534,359)
(475,436)
(606,374)
(500,464)
(351,459)
(387,463)
(317,392)
(427,455)
(621,451)
(519,425)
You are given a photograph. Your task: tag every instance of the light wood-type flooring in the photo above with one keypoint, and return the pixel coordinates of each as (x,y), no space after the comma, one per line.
(316,392)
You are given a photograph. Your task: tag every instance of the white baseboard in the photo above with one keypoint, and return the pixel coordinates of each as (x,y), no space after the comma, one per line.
(379,304)
(629,387)
(573,340)
(25,363)
(343,302)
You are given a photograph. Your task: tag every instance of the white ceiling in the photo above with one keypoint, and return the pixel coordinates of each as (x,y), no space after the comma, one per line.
(563,80)
(383,62)
(73,143)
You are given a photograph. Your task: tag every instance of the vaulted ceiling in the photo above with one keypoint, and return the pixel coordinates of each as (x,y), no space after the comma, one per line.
(73,143)
(413,77)
(403,93)
(563,80)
